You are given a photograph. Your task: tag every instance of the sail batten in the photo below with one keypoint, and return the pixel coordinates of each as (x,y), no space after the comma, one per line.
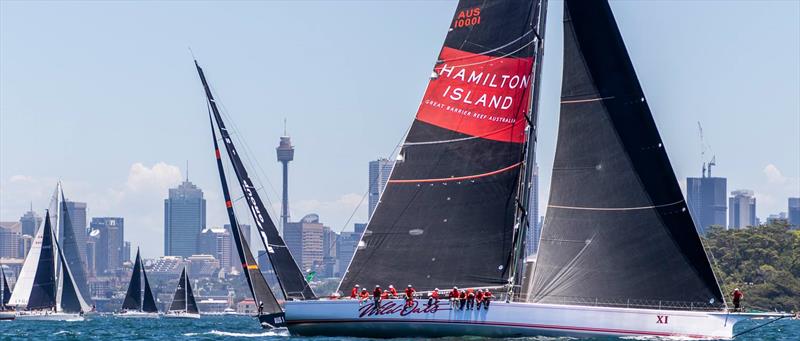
(454,186)
(617,230)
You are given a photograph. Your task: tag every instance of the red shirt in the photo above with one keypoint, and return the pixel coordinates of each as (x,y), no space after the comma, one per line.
(454,293)
(435,294)
(364,293)
(409,292)
(487,295)
(479,296)
(377,292)
(385,294)
(393,291)
(737,294)
(354,293)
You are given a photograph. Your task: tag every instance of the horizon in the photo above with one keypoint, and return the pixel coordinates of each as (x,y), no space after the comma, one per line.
(133,109)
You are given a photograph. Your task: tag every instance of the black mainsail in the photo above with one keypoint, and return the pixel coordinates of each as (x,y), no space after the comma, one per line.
(139,297)
(447,214)
(289,274)
(72,256)
(617,230)
(183,300)
(70,296)
(44,290)
(5,292)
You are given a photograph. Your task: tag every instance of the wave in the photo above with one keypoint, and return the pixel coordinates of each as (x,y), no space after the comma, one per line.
(67,332)
(224,333)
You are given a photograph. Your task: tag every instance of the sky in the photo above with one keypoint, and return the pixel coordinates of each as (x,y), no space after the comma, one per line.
(104,97)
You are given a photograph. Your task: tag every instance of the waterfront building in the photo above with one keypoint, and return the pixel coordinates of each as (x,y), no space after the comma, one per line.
(706,199)
(9,239)
(184,218)
(202,266)
(743,209)
(379,171)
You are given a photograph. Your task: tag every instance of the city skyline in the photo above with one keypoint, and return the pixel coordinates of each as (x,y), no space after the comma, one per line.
(739,102)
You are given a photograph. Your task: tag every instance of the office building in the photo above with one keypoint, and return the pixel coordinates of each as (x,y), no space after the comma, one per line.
(217,242)
(109,244)
(706,198)
(245,228)
(184,218)
(379,171)
(30,223)
(793,213)
(743,209)
(9,239)
(25,243)
(202,266)
(305,240)
(780,218)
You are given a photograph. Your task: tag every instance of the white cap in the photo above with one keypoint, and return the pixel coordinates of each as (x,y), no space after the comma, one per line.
(391,286)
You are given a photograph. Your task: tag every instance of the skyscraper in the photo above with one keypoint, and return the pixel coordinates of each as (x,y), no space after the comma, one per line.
(705,197)
(245,228)
(794,212)
(9,239)
(30,223)
(379,171)
(285,153)
(77,217)
(305,240)
(184,218)
(109,244)
(743,209)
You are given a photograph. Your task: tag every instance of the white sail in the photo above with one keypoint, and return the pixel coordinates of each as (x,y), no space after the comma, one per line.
(22,290)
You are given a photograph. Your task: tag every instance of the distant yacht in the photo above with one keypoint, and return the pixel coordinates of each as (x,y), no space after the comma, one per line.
(46,288)
(183,303)
(6,312)
(139,301)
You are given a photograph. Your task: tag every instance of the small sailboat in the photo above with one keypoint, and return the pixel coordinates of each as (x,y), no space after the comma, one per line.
(47,288)
(183,303)
(139,301)
(6,312)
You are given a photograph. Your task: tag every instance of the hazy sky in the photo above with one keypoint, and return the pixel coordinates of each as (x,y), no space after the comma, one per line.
(104,96)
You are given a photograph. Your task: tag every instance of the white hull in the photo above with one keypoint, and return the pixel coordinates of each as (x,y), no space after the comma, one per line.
(47,316)
(348,318)
(183,315)
(137,314)
(7,315)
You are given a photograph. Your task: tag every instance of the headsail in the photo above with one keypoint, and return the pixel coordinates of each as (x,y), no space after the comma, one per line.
(70,299)
(133,298)
(191,304)
(179,299)
(259,288)
(6,291)
(446,216)
(291,277)
(44,289)
(617,231)
(26,276)
(148,301)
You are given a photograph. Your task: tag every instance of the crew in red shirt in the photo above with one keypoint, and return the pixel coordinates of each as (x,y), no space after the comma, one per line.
(363,296)
(410,296)
(354,292)
(392,291)
(479,299)
(433,296)
(462,299)
(376,296)
(487,298)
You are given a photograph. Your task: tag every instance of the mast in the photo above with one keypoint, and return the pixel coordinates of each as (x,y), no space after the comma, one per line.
(293,283)
(529,164)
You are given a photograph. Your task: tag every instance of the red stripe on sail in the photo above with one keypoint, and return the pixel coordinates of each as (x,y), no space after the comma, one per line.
(479,95)
(217,152)
(228,204)
(458,178)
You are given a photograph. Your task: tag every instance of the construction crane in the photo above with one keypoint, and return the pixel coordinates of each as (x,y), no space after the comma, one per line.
(703,147)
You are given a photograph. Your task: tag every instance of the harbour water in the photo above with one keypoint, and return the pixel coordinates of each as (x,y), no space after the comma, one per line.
(244,328)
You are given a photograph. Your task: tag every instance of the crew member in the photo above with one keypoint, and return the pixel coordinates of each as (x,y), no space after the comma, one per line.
(454,297)
(260,307)
(479,298)
(363,296)
(470,299)
(392,291)
(487,298)
(385,295)
(737,298)
(462,299)
(433,297)
(409,296)
(354,292)
(376,296)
